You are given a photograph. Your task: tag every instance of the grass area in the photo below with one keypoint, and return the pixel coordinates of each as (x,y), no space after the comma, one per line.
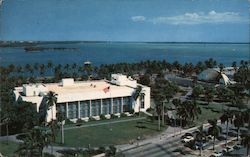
(211,111)
(8,149)
(98,121)
(110,134)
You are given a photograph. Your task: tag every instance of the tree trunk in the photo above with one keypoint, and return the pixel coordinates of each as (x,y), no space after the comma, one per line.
(62,133)
(238,129)
(227,134)
(163,119)
(213,142)
(159,122)
(247,150)
(7,132)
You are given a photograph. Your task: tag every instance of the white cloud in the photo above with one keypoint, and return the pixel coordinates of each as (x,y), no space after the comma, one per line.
(138,18)
(196,18)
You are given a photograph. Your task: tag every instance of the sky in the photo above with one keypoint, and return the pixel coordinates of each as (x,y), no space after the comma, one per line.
(126,20)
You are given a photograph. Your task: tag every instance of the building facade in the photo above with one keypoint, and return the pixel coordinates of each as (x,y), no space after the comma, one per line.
(84,99)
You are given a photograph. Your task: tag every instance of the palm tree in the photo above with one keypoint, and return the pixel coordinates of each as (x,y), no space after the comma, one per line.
(226,117)
(238,122)
(34,143)
(200,137)
(61,119)
(245,140)
(214,130)
(193,110)
(209,94)
(197,90)
(51,100)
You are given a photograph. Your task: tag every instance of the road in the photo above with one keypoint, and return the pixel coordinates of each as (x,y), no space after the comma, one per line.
(170,146)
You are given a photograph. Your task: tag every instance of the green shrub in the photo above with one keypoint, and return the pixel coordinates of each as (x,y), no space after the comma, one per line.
(123,115)
(92,119)
(80,121)
(102,117)
(132,111)
(113,116)
(67,121)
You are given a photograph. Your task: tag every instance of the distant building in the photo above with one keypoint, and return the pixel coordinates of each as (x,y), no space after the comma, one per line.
(214,76)
(84,99)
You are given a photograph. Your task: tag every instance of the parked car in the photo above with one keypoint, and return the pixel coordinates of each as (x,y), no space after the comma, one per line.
(227,150)
(187,139)
(186,134)
(210,137)
(221,138)
(232,134)
(237,146)
(216,154)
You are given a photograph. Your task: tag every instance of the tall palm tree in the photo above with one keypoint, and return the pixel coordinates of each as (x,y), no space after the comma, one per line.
(214,130)
(193,110)
(226,118)
(245,140)
(34,143)
(61,119)
(209,94)
(200,137)
(51,100)
(238,122)
(197,91)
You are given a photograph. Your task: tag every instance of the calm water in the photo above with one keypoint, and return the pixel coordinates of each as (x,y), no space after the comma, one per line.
(106,53)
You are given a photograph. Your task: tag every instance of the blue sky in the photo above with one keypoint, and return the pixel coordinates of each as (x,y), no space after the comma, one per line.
(126,20)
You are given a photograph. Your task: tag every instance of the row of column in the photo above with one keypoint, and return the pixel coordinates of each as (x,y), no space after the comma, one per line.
(121,104)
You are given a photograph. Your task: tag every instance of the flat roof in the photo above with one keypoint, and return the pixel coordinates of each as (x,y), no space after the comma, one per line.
(84,86)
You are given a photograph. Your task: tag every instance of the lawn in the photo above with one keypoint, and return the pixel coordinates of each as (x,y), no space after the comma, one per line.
(110,134)
(211,111)
(8,149)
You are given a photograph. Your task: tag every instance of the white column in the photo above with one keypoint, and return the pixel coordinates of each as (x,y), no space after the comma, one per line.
(101,107)
(122,106)
(67,110)
(78,108)
(111,111)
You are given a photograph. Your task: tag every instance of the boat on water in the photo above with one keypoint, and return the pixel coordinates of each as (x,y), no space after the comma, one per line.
(87,62)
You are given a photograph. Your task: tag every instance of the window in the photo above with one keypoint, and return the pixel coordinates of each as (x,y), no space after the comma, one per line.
(61,107)
(106,106)
(127,105)
(142,97)
(117,103)
(95,107)
(72,110)
(84,109)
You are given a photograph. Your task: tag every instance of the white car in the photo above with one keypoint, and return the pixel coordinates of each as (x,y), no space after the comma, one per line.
(230,149)
(216,154)
(187,139)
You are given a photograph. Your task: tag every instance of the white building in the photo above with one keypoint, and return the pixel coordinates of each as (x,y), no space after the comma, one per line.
(83,99)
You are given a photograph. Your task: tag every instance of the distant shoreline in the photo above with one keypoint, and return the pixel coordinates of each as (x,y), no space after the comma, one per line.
(32,43)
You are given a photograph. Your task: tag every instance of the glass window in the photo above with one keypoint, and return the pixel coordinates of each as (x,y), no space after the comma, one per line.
(95,107)
(127,105)
(84,108)
(142,97)
(72,110)
(117,103)
(61,107)
(106,105)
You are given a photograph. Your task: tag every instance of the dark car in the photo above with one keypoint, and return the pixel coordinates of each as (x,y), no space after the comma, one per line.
(221,138)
